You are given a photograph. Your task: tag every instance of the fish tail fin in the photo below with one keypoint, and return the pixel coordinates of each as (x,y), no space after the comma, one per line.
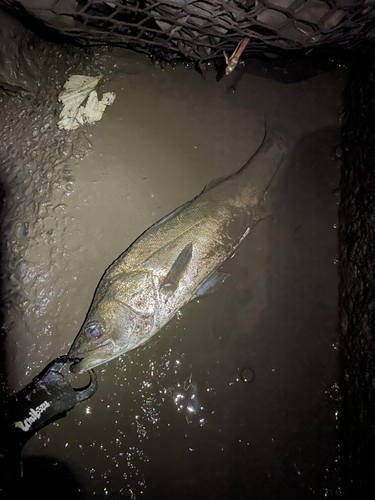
(261,168)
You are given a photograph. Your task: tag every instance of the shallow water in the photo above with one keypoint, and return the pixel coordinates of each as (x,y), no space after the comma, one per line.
(233,398)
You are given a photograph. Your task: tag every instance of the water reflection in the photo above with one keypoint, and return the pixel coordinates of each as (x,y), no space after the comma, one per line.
(185,397)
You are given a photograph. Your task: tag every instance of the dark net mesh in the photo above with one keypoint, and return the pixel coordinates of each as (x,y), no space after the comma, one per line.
(202,30)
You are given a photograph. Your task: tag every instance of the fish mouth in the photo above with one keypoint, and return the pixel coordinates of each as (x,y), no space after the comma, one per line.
(91,359)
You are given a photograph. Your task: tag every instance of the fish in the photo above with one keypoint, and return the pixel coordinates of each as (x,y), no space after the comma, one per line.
(175,261)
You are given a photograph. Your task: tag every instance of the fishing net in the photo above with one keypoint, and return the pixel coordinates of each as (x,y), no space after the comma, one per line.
(201,30)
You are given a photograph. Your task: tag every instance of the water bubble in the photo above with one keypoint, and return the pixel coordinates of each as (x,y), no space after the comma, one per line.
(247,375)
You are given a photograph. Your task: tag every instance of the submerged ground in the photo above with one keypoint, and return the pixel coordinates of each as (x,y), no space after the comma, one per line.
(235,397)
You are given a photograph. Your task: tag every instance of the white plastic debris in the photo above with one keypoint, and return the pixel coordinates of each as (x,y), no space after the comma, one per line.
(77,89)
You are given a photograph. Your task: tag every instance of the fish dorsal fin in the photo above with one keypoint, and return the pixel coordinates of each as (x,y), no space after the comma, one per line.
(178,269)
(212,184)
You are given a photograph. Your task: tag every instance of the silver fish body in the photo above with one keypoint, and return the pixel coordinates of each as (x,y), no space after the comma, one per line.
(173,262)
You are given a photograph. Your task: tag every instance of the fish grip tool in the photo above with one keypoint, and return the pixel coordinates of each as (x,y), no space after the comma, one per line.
(46,399)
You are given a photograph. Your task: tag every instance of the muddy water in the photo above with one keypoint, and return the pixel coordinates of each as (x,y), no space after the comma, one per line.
(233,398)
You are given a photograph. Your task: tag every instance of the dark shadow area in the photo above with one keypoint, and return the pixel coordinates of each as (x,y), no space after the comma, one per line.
(301,65)
(36,26)
(37,477)
(293,66)
(357,285)
(48,478)
(300,325)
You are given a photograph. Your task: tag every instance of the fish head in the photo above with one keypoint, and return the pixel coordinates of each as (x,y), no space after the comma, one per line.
(120,319)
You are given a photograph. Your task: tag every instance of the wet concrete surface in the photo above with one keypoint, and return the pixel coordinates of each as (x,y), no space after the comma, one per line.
(234,398)
(357,257)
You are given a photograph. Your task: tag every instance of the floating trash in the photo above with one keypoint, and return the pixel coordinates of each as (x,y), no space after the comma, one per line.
(77,89)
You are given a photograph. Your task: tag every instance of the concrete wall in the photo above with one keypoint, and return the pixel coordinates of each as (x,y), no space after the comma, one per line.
(357,288)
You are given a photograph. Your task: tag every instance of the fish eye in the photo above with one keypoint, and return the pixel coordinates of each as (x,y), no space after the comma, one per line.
(94,330)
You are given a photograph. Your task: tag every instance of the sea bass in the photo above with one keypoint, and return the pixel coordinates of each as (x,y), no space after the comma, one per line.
(173,262)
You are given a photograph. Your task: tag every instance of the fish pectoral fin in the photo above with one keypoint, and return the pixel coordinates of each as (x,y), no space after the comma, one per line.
(178,269)
(210,284)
